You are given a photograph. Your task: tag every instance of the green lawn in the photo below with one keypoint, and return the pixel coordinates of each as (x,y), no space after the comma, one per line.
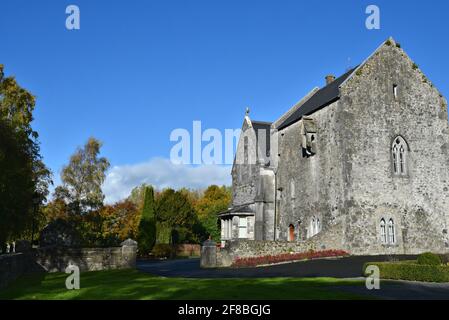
(132,284)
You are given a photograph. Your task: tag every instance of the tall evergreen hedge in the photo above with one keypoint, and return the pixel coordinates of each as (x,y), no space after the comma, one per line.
(147,226)
(164,233)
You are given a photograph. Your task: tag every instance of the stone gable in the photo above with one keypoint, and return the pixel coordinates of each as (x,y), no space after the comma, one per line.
(374,161)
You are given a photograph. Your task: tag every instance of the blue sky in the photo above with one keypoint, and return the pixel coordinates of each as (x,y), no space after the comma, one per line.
(136,70)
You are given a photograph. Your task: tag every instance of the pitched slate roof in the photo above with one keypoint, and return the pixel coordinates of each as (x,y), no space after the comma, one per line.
(295,107)
(242,209)
(262,125)
(320,99)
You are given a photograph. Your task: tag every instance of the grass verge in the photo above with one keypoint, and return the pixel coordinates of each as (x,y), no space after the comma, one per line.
(132,284)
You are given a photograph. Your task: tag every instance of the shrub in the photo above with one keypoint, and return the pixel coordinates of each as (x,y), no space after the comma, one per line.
(411,271)
(147,226)
(429,258)
(162,250)
(444,258)
(414,66)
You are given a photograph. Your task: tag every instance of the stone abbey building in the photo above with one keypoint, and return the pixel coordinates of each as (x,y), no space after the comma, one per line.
(361,164)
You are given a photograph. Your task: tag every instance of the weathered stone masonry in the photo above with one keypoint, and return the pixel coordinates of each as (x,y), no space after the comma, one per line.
(373,116)
(363,161)
(57,259)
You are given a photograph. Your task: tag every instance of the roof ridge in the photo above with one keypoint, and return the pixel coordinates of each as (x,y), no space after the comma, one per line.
(295,107)
(320,99)
(261,122)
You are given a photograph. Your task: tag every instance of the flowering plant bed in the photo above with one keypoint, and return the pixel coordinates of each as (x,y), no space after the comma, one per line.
(286,257)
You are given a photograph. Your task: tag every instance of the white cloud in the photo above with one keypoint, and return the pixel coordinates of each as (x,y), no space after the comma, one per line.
(162,173)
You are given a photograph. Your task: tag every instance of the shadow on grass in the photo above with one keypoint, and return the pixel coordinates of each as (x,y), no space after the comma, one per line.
(131,284)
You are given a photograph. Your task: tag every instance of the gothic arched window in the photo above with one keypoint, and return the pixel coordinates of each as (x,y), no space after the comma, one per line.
(383,231)
(315,227)
(391,235)
(399,156)
(312,228)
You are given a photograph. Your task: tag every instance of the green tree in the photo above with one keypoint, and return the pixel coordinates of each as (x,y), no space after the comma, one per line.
(215,200)
(82,179)
(163,233)
(120,221)
(24,179)
(174,209)
(137,195)
(147,226)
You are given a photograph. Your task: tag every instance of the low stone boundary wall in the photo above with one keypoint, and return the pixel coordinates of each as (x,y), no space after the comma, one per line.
(188,250)
(56,259)
(224,257)
(87,259)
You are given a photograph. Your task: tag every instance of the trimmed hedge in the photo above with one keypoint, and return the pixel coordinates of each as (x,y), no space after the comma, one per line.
(429,258)
(411,271)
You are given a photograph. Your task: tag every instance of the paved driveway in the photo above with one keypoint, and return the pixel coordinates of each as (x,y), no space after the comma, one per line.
(349,267)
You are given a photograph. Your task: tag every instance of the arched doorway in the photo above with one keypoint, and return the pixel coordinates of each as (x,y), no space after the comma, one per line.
(291,233)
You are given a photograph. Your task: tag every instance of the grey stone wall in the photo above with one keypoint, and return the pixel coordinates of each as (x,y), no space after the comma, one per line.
(264,206)
(245,175)
(310,187)
(87,259)
(350,180)
(247,248)
(372,117)
(56,259)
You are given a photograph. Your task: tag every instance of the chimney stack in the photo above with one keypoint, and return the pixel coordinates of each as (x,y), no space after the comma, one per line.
(329,78)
